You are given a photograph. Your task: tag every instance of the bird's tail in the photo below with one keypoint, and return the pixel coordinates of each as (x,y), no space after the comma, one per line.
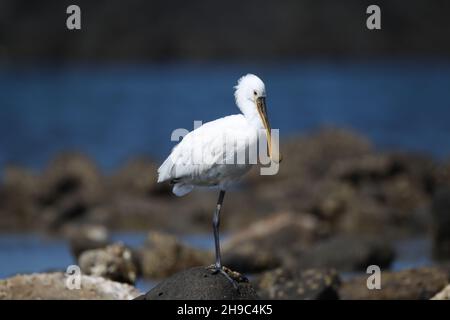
(180,189)
(165,170)
(165,173)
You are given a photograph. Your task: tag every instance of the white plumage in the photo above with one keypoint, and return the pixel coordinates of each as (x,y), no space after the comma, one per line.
(202,158)
(218,153)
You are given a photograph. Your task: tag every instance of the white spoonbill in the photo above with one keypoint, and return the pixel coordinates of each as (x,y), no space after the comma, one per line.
(212,138)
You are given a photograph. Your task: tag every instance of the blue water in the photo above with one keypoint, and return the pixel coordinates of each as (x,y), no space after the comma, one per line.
(114,113)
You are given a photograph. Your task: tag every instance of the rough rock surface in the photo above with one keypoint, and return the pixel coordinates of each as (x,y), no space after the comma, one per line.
(310,284)
(52,286)
(200,284)
(115,262)
(443,295)
(163,255)
(413,284)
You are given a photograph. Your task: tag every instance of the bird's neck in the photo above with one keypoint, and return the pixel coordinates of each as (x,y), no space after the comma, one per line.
(250,113)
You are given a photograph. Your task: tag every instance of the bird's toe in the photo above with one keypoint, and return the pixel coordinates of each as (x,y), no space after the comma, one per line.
(214,269)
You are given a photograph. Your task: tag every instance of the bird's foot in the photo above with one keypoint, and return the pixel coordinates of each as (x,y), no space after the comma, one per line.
(215,269)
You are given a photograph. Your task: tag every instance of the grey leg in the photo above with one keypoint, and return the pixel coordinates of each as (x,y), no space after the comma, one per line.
(216,223)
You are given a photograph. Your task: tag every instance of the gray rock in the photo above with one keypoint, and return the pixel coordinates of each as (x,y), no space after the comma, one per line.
(200,284)
(52,286)
(138,177)
(18,190)
(294,241)
(310,284)
(115,262)
(264,244)
(163,255)
(348,253)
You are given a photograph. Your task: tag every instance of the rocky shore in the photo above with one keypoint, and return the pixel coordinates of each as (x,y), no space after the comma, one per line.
(330,182)
(337,206)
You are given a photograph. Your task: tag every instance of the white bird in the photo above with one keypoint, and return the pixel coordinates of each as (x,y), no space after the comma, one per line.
(207,155)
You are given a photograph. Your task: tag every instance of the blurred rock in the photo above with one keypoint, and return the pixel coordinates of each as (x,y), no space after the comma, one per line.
(262,245)
(138,176)
(382,190)
(18,194)
(134,211)
(338,177)
(344,209)
(368,168)
(332,176)
(251,260)
(297,241)
(163,255)
(52,286)
(201,284)
(308,284)
(441,224)
(71,173)
(114,262)
(348,253)
(312,156)
(83,238)
(443,295)
(379,167)
(442,173)
(305,170)
(413,284)
(21,180)
(71,186)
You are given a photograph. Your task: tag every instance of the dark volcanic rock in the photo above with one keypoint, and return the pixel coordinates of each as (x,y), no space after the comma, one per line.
(115,262)
(200,284)
(415,284)
(441,224)
(308,284)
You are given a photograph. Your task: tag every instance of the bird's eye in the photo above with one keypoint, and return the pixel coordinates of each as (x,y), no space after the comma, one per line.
(255,93)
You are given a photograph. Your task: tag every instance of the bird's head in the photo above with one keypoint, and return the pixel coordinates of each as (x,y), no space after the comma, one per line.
(250,97)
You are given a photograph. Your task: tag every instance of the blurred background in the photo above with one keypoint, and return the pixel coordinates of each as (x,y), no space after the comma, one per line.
(86,117)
